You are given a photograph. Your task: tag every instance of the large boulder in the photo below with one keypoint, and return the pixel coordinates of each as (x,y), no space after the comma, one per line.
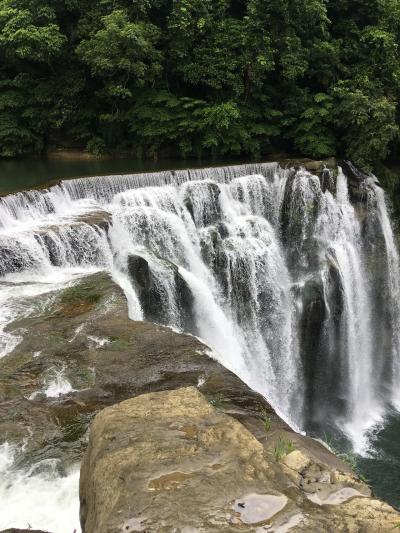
(170,461)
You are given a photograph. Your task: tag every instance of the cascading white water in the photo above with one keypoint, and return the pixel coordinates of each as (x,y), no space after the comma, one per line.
(393,280)
(341,232)
(56,385)
(178,226)
(37,497)
(268,266)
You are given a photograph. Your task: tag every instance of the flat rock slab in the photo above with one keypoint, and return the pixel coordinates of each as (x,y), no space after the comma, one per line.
(171,462)
(169,459)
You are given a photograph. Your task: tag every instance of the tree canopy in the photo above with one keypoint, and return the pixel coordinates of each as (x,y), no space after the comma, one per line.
(201,77)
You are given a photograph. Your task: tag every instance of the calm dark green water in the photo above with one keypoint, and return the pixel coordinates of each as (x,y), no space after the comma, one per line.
(29,173)
(382,468)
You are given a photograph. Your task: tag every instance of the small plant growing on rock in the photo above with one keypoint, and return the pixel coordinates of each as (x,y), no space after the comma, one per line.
(265,420)
(349,458)
(362,477)
(267,424)
(282,448)
(217,401)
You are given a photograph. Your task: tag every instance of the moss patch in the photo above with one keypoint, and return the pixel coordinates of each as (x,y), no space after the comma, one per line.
(77,300)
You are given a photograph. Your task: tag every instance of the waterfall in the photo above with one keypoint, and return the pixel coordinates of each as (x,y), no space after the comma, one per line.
(291,278)
(82,194)
(393,286)
(345,248)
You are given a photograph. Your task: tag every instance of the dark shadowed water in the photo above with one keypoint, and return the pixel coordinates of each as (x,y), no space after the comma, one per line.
(27,173)
(380,465)
(382,468)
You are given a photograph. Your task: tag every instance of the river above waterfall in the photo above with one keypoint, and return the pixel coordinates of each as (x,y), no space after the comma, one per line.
(28,172)
(292,279)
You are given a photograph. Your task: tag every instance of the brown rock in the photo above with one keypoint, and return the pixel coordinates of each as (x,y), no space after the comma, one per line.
(107,358)
(296,461)
(169,461)
(143,467)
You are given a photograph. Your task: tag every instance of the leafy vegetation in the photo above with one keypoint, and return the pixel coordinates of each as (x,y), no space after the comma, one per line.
(266,420)
(217,401)
(201,77)
(349,457)
(282,448)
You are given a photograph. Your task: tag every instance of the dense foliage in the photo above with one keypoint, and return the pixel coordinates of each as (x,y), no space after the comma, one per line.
(197,77)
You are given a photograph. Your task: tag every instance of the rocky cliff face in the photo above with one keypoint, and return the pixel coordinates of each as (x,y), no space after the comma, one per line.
(88,355)
(170,461)
(201,461)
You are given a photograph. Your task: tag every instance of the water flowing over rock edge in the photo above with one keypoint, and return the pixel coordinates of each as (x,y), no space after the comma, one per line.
(100,237)
(280,257)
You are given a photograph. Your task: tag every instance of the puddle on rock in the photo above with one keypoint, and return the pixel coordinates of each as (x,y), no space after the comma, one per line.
(168,481)
(287,525)
(336,498)
(256,508)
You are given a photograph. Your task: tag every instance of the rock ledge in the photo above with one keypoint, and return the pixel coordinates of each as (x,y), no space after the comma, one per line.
(170,461)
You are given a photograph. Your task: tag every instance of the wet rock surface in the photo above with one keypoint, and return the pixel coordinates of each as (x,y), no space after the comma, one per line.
(359,183)
(152,300)
(81,338)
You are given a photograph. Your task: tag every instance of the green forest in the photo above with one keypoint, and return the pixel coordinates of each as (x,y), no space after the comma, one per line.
(201,77)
